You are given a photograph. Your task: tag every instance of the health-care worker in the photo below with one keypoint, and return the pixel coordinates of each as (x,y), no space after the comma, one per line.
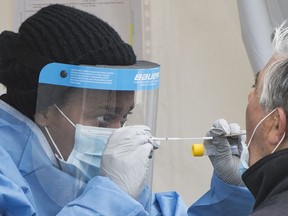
(57,125)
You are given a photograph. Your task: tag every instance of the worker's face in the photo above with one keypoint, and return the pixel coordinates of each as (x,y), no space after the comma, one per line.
(259,147)
(90,108)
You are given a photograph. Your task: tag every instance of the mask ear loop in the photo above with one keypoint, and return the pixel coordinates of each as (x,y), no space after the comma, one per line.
(64,115)
(254,131)
(54,144)
(279,143)
(52,140)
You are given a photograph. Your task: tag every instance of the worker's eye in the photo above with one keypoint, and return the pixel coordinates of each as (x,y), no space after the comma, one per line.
(108,118)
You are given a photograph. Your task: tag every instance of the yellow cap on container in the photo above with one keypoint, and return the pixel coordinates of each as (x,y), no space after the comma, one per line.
(198,150)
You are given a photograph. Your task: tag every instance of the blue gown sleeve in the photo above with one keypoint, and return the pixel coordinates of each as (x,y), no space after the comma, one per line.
(13,200)
(102,197)
(168,204)
(15,196)
(223,200)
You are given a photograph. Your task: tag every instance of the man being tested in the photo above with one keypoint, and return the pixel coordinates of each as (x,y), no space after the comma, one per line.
(266,124)
(264,156)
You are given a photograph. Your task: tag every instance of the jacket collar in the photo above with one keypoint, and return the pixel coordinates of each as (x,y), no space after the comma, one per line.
(268,176)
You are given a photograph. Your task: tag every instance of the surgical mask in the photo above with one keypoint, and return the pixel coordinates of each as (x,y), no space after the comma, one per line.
(244,159)
(85,157)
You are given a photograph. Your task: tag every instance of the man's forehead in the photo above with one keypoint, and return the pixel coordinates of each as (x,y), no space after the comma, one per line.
(260,75)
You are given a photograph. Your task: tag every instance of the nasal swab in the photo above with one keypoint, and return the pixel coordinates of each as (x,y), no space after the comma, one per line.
(194,138)
(181,138)
(199,149)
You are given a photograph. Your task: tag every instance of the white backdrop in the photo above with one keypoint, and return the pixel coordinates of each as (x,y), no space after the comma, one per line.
(205,75)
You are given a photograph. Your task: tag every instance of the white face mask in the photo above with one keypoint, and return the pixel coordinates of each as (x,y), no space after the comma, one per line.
(85,157)
(245,151)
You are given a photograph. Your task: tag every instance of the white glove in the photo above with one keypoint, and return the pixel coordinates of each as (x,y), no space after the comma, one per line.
(127,156)
(226,164)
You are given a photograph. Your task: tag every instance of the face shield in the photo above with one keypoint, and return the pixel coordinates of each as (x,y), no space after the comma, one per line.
(78,107)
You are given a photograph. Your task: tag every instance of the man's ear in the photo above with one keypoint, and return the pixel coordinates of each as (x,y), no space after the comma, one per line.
(42,117)
(278,127)
(282,121)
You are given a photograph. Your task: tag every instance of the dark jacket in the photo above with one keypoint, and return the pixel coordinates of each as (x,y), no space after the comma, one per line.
(267,180)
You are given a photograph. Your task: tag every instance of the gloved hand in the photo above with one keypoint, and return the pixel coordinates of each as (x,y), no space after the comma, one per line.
(226,164)
(127,156)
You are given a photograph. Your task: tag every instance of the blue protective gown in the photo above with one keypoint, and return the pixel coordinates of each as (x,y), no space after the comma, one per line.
(31,183)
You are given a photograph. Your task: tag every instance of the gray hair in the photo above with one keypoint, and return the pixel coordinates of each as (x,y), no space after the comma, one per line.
(275,81)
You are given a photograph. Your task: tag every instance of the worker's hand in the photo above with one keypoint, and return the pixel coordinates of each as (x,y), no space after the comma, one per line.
(225,161)
(127,157)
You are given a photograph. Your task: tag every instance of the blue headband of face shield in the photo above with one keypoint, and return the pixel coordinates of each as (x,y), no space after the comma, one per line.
(141,76)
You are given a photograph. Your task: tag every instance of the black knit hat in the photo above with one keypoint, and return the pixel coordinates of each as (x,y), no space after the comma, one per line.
(60,34)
